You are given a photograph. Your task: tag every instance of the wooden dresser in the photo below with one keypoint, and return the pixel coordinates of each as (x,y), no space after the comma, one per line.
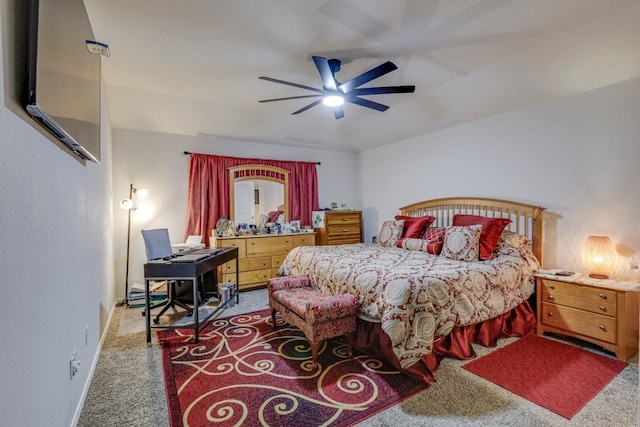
(338,227)
(259,257)
(603,312)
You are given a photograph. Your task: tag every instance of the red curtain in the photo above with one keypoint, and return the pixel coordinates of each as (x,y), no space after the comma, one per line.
(208,198)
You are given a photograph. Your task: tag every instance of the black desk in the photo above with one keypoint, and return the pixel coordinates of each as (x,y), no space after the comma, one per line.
(167,270)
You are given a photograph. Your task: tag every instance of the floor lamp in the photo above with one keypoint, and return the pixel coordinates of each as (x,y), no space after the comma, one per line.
(127,204)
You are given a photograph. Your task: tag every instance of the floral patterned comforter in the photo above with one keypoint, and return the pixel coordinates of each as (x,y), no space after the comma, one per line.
(415,295)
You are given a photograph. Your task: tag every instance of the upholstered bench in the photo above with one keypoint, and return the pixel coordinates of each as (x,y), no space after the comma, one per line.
(318,315)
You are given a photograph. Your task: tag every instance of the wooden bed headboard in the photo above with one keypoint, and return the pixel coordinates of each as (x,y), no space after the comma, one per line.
(525,219)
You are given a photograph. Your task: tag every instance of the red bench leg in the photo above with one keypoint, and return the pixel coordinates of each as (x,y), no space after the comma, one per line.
(273,318)
(351,336)
(314,351)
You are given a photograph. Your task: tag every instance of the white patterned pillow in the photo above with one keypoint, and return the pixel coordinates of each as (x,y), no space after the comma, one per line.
(511,243)
(462,243)
(390,232)
(415,244)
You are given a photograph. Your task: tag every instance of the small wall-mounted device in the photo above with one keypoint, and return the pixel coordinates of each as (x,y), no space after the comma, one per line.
(97,47)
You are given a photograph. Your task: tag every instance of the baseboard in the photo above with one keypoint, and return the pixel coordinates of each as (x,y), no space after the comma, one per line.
(94,363)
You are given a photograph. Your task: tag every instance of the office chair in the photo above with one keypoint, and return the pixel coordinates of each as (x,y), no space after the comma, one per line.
(158,246)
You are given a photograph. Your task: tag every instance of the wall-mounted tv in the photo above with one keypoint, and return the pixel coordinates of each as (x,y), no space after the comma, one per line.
(63,93)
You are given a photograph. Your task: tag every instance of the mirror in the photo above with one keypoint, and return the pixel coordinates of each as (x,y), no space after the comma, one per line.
(256,190)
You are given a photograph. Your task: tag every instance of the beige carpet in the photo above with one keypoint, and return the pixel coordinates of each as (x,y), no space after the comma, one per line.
(128,389)
(132,319)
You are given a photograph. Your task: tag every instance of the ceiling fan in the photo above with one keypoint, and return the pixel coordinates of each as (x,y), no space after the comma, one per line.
(334,93)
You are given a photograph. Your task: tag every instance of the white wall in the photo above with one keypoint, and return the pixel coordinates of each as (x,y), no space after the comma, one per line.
(155,161)
(56,268)
(578,157)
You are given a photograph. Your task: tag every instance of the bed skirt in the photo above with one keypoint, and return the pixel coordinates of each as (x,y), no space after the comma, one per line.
(518,322)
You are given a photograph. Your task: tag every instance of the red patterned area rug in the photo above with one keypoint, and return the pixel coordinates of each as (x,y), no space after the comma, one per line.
(242,372)
(554,375)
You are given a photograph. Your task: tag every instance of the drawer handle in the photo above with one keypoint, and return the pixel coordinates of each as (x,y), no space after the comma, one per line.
(345,219)
(551,297)
(550,314)
(345,230)
(602,327)
(551,287)
(603,296)
(602,308)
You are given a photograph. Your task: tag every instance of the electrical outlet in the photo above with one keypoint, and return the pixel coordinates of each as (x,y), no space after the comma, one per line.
(86,335)
(74,364)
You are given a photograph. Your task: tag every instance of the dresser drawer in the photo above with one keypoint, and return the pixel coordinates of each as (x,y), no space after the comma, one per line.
(343,229)
(276,261)
(343,239)
(578,321)
(573,290)
(229,267)
(248,264)
(306,239)
(233,243)
(343,218)
(604,307)
(257,276)
(269,246)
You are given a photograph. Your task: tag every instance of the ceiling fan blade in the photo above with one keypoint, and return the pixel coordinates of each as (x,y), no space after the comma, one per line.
(382,90)
(338,112)
(366,103)
(367,76)
(324,69)
(305,108)
(269,79)
(289,97)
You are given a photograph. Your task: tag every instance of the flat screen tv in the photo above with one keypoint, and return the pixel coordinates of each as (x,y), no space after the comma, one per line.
(63,93)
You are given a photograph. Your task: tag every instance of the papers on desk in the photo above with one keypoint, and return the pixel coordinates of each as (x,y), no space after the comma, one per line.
(192,242)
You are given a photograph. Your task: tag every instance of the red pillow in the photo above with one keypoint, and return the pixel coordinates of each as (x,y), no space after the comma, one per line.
(490,234)
(273,216)
(435,237)
(414,227)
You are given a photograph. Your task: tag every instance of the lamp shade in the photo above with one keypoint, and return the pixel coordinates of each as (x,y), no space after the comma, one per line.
(599,256)
(126,204)
(141,193)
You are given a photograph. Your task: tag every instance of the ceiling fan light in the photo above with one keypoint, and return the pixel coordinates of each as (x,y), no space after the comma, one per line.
(333,100)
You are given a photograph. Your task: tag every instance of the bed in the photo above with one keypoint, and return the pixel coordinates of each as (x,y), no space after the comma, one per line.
(420,302)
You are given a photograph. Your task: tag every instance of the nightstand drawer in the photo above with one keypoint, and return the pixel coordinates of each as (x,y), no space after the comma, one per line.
(579,291)
(578,321)
(595,306)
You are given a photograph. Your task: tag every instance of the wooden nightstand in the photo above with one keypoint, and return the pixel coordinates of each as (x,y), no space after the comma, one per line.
(601,311)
